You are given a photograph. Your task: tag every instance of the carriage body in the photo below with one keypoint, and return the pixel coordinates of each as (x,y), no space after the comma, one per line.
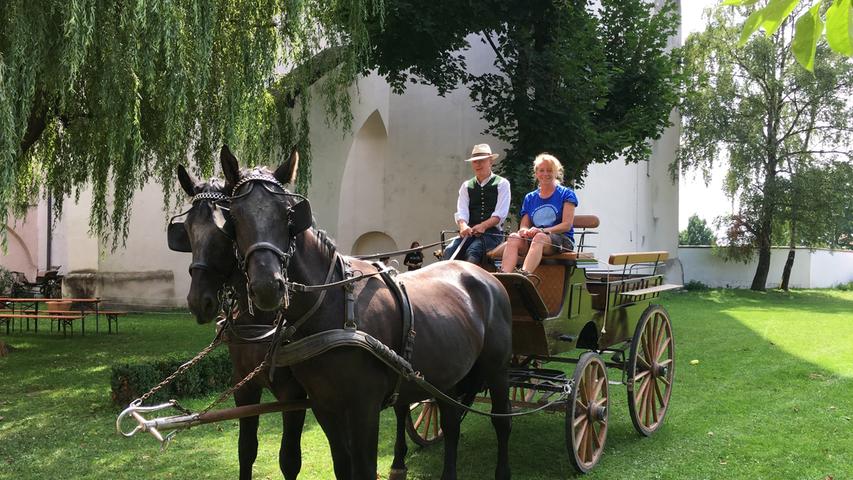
(576,305)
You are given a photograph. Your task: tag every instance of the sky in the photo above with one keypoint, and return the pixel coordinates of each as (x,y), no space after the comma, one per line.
(695,197)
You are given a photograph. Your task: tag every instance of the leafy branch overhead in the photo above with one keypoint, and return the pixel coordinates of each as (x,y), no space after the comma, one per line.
(835,17)
(108,96)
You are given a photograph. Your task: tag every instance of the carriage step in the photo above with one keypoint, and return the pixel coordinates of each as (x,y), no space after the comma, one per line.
(646,291)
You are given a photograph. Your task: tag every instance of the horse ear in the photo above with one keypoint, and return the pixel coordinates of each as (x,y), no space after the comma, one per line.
(286,173)
(186,180)
(230,167)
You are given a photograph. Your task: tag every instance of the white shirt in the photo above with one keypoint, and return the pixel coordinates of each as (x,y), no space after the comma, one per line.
(501,207)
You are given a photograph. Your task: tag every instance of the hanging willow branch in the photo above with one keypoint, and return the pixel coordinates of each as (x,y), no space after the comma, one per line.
(110,95)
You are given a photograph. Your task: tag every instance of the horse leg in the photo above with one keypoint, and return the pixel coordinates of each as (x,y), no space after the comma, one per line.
(499,390)
(290,454)
(247,445)
(362,431)
(398,466)
(333,426)
(451,418)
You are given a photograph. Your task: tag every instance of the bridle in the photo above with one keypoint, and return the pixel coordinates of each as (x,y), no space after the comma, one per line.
(298,217)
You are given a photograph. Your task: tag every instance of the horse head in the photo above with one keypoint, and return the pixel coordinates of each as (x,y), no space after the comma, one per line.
(267,218)
(207,232)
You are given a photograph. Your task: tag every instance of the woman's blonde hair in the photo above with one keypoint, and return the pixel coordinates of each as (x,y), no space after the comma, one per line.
(555,165)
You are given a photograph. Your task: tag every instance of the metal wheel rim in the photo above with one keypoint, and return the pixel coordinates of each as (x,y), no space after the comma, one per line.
(588,432)
(651,371)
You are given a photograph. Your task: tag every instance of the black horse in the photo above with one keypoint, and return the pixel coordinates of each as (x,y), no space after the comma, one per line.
(214,271)
(462,318)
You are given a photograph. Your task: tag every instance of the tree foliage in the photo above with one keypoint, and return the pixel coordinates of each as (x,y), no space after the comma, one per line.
(835,15)
(771,119)
(587,83)
(113,94)
(696,233)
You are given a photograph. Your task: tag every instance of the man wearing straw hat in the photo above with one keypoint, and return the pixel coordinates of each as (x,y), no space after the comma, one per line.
(481,208)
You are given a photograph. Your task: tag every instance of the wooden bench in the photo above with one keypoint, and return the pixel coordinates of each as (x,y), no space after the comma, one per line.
(64,320)
(112,317)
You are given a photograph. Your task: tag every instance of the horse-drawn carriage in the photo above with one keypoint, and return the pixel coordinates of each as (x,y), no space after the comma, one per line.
(354,328)
(571,305)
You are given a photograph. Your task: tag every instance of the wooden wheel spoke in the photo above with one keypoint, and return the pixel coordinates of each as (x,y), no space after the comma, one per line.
(427,420)
(659,395)
(640,375)
(417,423)
(598,387)
(579,419)
(580,436)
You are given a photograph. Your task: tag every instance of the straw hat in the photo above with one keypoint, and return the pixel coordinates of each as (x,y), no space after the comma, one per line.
(482,151)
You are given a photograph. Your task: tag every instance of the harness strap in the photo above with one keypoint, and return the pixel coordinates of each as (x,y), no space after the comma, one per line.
(407,342)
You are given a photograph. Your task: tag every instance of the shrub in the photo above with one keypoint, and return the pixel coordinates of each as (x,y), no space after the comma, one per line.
(695,285)
(130,381)
(845,287)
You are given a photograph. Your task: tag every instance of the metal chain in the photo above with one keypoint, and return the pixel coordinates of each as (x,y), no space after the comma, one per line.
(261,366)
(215,343)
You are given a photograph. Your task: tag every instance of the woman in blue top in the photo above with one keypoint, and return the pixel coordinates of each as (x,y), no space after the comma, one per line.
(546,218)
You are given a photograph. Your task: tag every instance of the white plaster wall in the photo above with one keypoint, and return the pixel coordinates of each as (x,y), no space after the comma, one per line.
(146,252)
(830,268)
(701,265)
(80,248)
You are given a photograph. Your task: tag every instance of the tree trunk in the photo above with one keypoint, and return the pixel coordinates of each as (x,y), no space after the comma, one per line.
(4,350)
(786,272)
(759,281)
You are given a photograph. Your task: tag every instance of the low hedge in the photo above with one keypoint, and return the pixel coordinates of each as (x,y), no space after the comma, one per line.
(130,381)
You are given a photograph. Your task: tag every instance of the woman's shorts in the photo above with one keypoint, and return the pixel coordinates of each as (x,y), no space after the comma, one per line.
(561,243)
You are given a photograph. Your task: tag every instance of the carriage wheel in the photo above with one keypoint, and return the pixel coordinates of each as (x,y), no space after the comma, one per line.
(651,368)
(423,425)
(586,413)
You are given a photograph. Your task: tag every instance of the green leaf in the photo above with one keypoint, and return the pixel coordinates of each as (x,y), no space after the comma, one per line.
(809,30)
(738,3)
(839,27)
(750,26)
(775,13)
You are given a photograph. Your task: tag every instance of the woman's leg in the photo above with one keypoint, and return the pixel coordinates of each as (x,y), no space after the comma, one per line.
(541,243)
(509,259)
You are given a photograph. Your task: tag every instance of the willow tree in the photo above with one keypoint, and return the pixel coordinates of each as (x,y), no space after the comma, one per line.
(772,120)
(110,95)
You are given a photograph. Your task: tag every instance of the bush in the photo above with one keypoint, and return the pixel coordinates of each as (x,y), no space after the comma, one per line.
(130,381)
(845,287)
(695,286)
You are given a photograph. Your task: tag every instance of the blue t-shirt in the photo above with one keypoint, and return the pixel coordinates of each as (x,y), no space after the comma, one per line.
(547,212)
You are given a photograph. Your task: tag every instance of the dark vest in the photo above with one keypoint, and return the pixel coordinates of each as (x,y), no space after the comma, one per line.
(482,201)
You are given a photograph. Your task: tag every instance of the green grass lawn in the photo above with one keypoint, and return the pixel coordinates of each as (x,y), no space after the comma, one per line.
(770,398)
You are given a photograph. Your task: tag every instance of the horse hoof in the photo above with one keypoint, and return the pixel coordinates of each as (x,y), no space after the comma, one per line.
(397,474)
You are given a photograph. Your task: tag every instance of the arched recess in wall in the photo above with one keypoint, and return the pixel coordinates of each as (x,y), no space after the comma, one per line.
(18,256)
(373,242)
(361,206)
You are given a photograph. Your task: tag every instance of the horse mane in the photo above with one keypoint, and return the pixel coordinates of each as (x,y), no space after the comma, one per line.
(326,241)
(212,185)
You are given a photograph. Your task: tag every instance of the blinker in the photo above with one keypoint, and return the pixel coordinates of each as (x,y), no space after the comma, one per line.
(300,217)
(178,237)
